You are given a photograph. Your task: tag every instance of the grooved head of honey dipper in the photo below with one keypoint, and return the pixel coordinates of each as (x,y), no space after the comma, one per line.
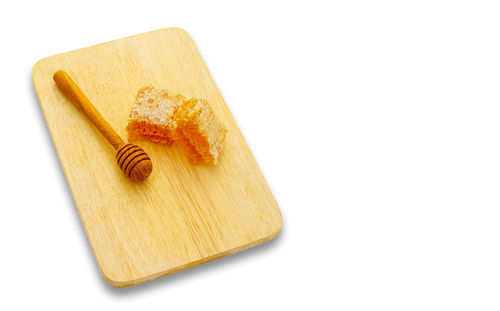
(134,162)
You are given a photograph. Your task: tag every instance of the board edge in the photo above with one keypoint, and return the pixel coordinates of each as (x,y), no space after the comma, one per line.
(133,282)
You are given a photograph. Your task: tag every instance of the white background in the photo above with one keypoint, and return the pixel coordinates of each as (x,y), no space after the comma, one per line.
(375,123)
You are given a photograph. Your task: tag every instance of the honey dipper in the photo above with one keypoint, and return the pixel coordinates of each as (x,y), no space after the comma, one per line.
(133,161)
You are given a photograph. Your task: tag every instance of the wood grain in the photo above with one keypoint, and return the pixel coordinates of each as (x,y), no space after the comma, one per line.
(132,159)
(75,95)
(182,215)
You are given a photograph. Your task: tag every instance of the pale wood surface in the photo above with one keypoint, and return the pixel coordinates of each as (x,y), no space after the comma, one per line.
(69,88)
(182,215)
(132,159)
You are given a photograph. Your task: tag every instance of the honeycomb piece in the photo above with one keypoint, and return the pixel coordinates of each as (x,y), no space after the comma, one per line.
(198,131)
(151,115)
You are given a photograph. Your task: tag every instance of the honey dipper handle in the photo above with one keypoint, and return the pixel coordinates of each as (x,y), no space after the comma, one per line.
(73,93)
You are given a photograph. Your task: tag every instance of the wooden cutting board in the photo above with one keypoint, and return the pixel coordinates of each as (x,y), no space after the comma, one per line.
(182,215)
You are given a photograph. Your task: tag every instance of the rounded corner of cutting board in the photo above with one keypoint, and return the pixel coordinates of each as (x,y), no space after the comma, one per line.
(277,230)
(36,69)
(116,283)
(126,280)
(122,283)
(183,33)
(179,30)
